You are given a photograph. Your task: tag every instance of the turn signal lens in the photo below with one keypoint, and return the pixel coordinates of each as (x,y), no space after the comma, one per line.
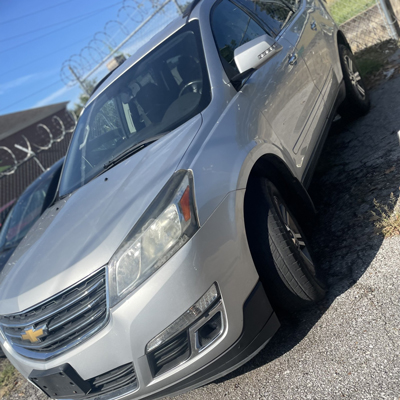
(184,204)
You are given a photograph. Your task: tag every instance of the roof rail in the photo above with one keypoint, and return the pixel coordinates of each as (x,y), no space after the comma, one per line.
(101,81)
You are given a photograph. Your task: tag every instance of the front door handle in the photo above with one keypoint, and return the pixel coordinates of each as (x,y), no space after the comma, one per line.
(293,59)
(314,26)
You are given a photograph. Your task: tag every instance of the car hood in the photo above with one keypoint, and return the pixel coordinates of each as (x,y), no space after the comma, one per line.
(80,233)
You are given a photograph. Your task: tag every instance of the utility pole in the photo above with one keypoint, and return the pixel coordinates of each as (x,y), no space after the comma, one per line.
(78,80)
(178,6)
(391,18)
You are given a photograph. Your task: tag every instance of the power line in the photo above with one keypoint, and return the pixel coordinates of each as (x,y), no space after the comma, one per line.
(50,33)
(62,22)
(45,56)
(35,12)
(30,95)
(55,30)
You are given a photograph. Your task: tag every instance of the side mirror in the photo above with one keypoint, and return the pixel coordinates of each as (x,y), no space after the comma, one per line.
(255,53)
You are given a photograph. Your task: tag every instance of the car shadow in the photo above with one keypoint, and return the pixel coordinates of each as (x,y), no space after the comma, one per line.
(360,163)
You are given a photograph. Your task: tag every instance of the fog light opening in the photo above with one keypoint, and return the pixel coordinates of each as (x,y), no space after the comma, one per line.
(210,331)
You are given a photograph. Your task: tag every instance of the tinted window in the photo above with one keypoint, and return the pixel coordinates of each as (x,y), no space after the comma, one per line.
(28,208)
(273,13)
(232,27)
(293,3)
(155,96)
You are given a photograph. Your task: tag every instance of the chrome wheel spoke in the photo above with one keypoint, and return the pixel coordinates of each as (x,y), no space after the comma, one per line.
(357,76)
(295,234)
(287,219)
(300,240)
(360,89)
(283,212)
(351,65)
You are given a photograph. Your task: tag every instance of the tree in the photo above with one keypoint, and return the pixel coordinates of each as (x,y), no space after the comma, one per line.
(83,97)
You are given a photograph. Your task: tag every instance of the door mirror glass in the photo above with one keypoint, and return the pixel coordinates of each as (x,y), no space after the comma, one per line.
(253,54)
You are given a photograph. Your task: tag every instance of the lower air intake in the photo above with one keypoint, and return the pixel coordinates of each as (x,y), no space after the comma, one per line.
(120,378)
(170,354)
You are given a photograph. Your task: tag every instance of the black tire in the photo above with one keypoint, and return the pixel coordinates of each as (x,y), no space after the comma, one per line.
(290,278)
(357,102)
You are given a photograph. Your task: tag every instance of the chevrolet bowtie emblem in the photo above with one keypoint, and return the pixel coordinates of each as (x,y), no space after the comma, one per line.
(34,335)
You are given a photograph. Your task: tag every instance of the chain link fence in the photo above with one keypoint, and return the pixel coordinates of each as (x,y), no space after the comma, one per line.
(365,22)
(27,153)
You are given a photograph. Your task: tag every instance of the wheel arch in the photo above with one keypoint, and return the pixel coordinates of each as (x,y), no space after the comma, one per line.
(341,39)
(258,227)
(273,168)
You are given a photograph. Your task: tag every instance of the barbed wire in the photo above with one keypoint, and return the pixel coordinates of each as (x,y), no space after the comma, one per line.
(132,15)
(12,162)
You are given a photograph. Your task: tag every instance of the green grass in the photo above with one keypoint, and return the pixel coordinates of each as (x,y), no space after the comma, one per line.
(7,376)
(369,66)
(343,10)
(373,60)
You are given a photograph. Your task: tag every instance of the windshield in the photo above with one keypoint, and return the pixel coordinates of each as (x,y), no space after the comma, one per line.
(28,209)
(156,95)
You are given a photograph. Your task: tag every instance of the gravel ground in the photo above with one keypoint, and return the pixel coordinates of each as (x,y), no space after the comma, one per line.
(348,345)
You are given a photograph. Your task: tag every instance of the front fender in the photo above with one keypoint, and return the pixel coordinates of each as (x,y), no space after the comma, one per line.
(229,143)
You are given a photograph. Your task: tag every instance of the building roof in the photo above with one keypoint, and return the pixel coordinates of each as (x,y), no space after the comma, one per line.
(12,123)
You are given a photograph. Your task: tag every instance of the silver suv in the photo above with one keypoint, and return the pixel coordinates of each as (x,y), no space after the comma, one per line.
(182,208)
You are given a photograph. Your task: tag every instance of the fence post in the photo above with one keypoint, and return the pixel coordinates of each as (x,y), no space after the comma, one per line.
(82,85)
(391,18)
(178,7)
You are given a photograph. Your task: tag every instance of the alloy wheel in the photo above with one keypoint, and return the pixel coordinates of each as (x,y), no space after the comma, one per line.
(354,76)
(295,234)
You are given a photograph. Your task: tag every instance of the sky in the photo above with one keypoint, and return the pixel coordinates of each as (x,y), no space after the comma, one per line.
(37,38)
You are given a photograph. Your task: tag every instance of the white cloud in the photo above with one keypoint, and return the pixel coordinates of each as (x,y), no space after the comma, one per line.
(15,83)
(55,95)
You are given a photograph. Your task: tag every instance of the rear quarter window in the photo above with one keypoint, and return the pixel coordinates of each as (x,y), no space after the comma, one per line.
(274,14)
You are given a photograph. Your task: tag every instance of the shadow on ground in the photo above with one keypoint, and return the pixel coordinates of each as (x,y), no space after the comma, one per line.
(360,163)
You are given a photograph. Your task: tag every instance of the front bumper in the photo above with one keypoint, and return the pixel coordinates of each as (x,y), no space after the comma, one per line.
(217,253)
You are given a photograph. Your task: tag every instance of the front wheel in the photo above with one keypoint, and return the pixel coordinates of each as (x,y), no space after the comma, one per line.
(357,102)
(280,249)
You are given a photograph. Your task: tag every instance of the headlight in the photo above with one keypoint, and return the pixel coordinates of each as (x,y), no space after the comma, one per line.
(168,223)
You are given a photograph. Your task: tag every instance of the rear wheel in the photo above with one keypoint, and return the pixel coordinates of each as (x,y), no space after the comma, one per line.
(280,249)
(357,102)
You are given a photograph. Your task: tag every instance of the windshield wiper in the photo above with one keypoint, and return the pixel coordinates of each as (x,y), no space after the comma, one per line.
(130,151)
(8,246)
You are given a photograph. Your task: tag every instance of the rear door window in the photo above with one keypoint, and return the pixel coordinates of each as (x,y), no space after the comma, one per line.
(274,14)
(293,3)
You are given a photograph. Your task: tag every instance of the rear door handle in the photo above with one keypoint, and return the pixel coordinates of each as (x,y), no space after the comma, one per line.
(314,26)
(293,59)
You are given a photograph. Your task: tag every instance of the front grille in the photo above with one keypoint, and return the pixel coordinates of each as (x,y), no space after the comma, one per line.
(120,378)
(170,354)
(66,319)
